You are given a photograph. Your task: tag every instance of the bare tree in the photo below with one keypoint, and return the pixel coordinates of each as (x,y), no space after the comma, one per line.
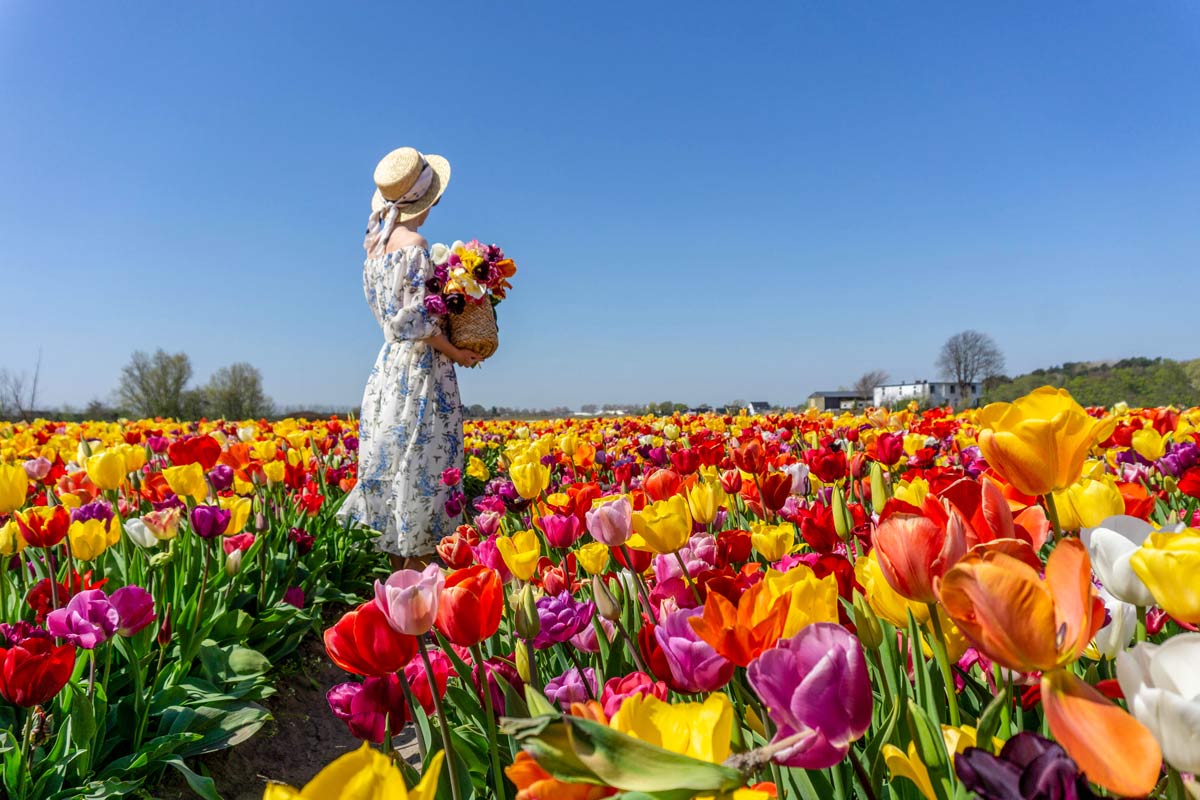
(153,385)
(236,392)
(18,393)
(968,357)
(865,385)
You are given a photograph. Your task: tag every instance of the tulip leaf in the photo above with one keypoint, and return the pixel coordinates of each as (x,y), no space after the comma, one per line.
(989,722)
(874,752)
(545,738)
(633,765)
(539,706)
(200,784)
(931,748)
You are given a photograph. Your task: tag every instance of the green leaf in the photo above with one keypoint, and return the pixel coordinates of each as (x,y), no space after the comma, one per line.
(874,752)
(200,784)
(989,722)
(538,705)
(931,748)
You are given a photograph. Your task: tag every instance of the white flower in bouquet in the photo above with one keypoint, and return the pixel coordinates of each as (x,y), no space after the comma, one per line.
(439,253)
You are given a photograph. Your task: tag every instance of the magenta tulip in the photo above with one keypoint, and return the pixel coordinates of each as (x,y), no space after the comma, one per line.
(695,665)
(815,685)
(87,620)
(561,529)
(135,609)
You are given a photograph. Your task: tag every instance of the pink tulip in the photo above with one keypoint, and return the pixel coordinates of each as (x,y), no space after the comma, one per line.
(409,599)
(611,523)
(561,529)
(135,609)
(815,684)
(695,666)
(87,620)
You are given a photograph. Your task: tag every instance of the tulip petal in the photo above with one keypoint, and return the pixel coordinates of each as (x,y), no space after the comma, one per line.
(1078,611)
(1112,748)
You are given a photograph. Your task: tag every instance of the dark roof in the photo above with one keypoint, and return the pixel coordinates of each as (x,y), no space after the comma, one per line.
(846,393)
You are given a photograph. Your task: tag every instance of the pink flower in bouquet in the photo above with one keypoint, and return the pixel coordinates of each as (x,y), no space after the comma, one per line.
(409,599)
(616,690)
(816,684)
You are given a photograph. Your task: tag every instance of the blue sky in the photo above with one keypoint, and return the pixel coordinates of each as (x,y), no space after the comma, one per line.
(706,201)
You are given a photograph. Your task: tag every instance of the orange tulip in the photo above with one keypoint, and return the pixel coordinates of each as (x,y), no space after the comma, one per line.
(1018,619)
(534,783)
(1028,623)
(916,549)
(741,633)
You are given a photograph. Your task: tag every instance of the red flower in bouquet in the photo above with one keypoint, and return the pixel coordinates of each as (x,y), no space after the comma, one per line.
(471,604)
(363,642)
(34,671)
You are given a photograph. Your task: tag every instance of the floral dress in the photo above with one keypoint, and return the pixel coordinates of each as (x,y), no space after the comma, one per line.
(411,427)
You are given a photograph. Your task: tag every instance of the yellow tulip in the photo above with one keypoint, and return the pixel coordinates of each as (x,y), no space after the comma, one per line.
(364,774)
(90,538)
(187,481)
(14,483)
(810,599)
(11,540)
(264,450)
(477,469)
(239,513)
(1039,442)
(1149,444)
(885,601)
(593,557)
(531,477)
(275,471)
(663,526)
(909,765)
(520,552)
(135,457)
(1088,502)
(699,730)
(773,542)
(912,492)
(1169,563)
(705,500)
(106,470)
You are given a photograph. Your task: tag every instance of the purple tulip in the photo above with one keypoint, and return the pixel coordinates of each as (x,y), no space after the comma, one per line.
(13,633)
(97,509)
(695,665)
(294,596)
(87,620)
(135,609)
(699,554)
(209,521)
(815,684)
(434,304)
(561,617)
(221,477)
(569,688)
(1028,768)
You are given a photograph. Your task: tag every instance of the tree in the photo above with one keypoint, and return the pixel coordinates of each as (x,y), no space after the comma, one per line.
(236,392)
(865,386)
(15,399)
(153,385)
(968,357)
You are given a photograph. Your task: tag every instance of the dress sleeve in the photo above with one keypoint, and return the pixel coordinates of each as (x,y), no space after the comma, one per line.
(411,320)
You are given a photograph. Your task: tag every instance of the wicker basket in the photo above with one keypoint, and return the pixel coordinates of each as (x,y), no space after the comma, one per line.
(475,329)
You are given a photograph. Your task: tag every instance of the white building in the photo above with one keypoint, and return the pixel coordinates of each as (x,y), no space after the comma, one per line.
(927,393)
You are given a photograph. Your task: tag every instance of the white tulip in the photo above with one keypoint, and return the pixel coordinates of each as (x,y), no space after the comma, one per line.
(247,433)
(439,253)
(1119,632)
(1110,545)
(1161,684)
(139,533)
(799,475)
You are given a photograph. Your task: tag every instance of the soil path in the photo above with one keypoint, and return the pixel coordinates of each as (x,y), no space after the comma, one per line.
(303,737)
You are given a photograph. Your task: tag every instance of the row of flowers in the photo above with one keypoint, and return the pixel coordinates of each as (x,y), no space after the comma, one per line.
(1000,602)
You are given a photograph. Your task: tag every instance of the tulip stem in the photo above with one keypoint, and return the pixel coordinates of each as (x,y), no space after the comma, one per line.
(1140,632)
(1052,510)
(687,576)
(411,699)
(443,721)
(485,693)
(637,577)
(941,655)
(587,687)
(863,777)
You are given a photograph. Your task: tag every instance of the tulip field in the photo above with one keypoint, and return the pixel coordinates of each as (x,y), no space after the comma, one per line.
(999,603)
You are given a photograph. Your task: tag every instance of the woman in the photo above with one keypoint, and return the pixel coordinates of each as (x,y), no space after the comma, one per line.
(410,429)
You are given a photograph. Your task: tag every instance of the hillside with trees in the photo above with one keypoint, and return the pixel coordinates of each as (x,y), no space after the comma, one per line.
(1136,381)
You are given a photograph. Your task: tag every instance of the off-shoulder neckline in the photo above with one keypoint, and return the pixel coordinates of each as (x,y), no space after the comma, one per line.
(400,250)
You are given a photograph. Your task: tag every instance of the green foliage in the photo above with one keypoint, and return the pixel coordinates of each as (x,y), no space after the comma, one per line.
(1136,381)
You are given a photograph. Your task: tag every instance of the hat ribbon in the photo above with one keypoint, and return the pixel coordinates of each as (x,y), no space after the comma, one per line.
(381,223)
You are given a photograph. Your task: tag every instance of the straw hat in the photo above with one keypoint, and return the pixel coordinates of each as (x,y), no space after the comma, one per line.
(400,171)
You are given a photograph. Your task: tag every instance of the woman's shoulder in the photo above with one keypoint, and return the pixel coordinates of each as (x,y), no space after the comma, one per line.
(402,239)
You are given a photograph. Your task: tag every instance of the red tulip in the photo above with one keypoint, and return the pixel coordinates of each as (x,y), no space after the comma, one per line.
(751,457)
(470,606)
(661,484)
(889,448)
(34,671)
(202,450)
(363,642)
(827,463)
(775,490)
(44,527)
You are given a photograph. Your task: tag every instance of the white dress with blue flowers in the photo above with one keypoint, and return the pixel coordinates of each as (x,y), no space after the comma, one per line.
(410,429)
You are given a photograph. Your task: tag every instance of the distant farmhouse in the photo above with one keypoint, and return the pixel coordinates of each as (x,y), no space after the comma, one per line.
(845,400)
(928,393)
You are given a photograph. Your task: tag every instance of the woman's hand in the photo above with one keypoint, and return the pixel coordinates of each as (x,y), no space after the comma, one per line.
(465,358)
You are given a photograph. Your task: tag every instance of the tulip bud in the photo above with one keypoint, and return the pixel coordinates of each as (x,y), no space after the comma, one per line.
(528,622)
(842,521)
(607,606)
(233,563)
(870,632)
(878,488)
(260,521)
(160,560)
(164,630)
(522,659)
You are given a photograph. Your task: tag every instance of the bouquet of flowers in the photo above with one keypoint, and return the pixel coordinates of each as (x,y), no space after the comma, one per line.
(470,273)
(469,280)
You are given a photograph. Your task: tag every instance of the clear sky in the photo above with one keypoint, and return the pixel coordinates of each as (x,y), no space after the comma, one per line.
(705,201)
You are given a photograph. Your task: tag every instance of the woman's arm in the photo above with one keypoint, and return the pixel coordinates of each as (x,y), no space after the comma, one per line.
(464,358)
